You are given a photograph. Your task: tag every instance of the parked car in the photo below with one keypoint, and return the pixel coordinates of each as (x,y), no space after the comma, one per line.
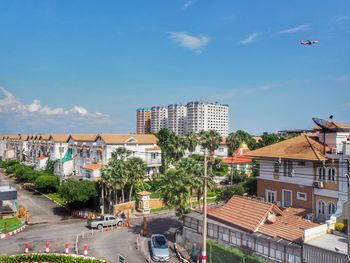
(105,220)
(159,248)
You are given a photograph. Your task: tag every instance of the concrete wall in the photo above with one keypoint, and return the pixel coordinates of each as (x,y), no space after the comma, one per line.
(313,254)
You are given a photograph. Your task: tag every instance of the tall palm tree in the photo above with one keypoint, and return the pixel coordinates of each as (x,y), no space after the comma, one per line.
(165,142)
(121,153)
(136,172)
(191,142)
(175,189)
(210,140)
(178,147)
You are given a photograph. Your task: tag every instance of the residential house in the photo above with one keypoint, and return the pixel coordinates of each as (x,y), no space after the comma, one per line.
(143,146)
(238,161)
(252,225)
(61,154)
(307,171)
(221,151)
(81,146)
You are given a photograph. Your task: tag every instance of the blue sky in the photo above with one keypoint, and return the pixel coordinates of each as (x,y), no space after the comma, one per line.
(85,66)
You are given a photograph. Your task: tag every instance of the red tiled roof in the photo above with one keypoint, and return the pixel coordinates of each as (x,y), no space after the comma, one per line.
(93,166)
(41,157)
(244,212)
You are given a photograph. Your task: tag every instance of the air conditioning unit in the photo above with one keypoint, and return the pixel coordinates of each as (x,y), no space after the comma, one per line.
(310,216)
(318,184)
(334,150)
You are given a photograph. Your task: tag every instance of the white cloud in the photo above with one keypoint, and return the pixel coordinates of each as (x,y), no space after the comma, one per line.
(192,42)
(250,39)
(341,18)
(296,29)
(187,4)
(15,111)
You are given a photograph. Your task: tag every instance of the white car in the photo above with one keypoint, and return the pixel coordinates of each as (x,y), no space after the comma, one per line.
(159,248)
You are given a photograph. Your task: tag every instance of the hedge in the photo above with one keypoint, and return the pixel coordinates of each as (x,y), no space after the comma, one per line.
(218,253)
(48,258)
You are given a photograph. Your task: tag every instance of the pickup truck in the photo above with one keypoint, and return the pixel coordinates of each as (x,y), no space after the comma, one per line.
(104,221)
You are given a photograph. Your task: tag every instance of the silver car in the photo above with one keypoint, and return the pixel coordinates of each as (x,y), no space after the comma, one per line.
(159,248)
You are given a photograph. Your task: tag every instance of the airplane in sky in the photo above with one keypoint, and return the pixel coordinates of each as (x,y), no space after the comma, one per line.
(308,42)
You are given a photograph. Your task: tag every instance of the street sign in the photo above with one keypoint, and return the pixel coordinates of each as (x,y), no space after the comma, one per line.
(122,259)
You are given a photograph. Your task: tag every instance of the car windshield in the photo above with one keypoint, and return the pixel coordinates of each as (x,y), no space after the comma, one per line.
(160,242)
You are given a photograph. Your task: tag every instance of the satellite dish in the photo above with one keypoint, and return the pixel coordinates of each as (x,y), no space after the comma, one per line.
(324,124)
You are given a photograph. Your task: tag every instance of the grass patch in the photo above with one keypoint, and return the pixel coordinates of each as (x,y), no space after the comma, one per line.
(56,197)
(12,224)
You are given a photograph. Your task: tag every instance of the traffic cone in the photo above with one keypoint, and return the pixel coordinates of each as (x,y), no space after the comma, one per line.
(67,249)
(85,250)
(26,250)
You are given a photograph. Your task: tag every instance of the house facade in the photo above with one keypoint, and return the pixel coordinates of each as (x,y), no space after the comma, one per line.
(307,171)
(254,226)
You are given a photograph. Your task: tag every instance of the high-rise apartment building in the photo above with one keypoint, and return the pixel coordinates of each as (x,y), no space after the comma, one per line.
(193,117)
(207,116)
(143,120)
(177,118)
(159,117)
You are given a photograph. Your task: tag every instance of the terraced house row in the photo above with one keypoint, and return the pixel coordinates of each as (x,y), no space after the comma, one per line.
(79,155)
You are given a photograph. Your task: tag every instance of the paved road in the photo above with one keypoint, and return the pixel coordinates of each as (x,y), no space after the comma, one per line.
(50,222)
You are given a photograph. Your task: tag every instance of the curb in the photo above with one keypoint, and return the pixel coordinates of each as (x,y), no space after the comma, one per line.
(14,232)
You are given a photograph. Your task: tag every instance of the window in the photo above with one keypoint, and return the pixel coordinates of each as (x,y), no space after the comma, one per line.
(322,173)
(321,207)
(288,168)
(271,196)
(301,196)
(331,174)
(276,167)
(331,208)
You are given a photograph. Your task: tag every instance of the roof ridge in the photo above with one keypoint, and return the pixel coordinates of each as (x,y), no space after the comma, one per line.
(312,147)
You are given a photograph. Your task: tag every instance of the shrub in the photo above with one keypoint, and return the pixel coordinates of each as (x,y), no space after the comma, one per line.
(340,227)
(7,164)
(46,183)
(77,192)
(226,193)
(221,254)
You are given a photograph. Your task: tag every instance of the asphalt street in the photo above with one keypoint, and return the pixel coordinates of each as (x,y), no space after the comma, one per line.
(52,223)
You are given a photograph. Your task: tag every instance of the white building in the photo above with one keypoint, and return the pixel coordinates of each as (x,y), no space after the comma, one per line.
(143,146)
(207,116)
(159,118)
(177,118)
(61,153)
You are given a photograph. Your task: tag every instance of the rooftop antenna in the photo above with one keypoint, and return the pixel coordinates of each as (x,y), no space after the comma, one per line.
(325,126)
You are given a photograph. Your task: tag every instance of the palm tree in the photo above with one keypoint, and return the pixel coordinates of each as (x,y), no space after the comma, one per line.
(175,188)
(136,172)
(165,142)
(121,153)
(235,139)
(210,140)
(195,170)
(178,147)
(191,142)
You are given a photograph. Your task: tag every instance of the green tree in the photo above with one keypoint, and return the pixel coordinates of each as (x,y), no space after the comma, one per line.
(77,192)
(235,139)
(47,183)
(191,141)
(226,193)
(250,185)
(210,140)
(268,139)
(50,166)
(175,188)
(166,143)
(137,169)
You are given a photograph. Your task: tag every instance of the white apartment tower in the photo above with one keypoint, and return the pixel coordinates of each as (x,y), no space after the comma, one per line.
(159,117)
(207,116)
(177,119)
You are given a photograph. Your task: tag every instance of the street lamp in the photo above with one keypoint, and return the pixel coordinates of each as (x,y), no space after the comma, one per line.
(204,245)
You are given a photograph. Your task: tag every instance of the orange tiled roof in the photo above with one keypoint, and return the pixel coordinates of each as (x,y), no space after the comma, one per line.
(93,166)
(109,138)
(83,137)
(242,212)
(44,136)
(59,137)
(302,147)
(41,157)
(144,193)
(153,149)
(290,226)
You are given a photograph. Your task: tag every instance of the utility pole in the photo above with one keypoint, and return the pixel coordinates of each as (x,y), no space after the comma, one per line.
(60,149)
(204,245)
(348,205)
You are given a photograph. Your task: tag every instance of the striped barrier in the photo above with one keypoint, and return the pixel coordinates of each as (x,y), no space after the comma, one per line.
(14,232)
